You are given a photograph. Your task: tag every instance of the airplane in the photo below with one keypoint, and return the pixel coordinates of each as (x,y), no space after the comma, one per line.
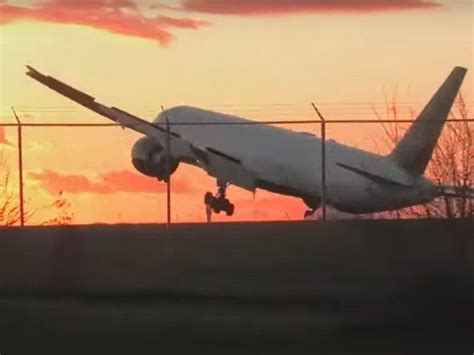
(236,151)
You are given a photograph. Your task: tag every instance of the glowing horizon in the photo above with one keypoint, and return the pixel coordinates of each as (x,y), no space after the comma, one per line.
(243,60)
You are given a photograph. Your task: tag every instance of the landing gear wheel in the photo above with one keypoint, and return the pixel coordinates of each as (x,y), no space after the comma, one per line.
(219,203)
(230,209)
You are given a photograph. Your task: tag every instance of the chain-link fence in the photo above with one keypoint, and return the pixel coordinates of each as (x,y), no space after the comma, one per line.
(81,173)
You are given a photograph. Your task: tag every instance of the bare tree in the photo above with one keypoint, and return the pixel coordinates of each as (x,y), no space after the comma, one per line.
(452,163)
(10,214)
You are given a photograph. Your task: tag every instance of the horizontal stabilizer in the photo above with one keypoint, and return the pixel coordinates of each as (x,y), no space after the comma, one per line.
(456,191)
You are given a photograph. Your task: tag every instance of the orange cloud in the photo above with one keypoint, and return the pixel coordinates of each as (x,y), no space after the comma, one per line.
(108,183)
(3,137)
(274,7)
(116,16)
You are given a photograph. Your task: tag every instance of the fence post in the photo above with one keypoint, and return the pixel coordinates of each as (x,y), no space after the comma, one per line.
(20,167)
(168,172)
(323,160)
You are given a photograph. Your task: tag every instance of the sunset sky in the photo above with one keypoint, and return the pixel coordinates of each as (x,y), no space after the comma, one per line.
(261,59)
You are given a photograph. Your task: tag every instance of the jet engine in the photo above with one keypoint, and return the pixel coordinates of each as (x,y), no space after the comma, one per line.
(149,158)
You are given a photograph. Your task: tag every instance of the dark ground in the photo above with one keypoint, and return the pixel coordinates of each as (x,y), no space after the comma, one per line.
(340,287)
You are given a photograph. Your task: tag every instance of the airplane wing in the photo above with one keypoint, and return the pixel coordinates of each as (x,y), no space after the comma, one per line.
(115,114)
(221,166)
(379,173)
(225,168)
(377,177)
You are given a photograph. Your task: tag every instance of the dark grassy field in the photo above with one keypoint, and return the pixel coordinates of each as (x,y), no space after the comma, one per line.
(339,287)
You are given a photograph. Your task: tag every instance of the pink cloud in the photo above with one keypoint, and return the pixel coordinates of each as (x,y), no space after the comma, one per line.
(108,183)
(182,22)
(275,7)
(116,16)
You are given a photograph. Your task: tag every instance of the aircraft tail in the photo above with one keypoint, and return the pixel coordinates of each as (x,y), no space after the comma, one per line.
(413,152)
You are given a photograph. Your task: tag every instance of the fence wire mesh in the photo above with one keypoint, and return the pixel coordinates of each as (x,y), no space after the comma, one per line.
(80,172)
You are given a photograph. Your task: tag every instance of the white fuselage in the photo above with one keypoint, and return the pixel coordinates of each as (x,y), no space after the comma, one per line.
(290,162)
(256,155)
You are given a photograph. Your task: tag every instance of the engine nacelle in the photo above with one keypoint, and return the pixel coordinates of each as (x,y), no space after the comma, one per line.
(149,158)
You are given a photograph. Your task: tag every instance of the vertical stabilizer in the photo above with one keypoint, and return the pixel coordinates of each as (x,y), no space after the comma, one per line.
(414,150)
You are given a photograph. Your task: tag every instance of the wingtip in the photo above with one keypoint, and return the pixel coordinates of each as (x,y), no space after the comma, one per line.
(32,71)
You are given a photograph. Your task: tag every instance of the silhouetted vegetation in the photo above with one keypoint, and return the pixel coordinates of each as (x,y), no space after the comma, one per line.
(10,211)
(452,163)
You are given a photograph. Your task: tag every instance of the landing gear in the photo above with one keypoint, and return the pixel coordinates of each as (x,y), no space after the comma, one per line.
(219,203)
(313,204)
(308,214)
